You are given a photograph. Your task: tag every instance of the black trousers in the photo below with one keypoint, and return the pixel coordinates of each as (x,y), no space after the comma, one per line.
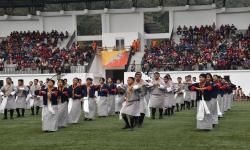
(154,111)
(33,109)
(18,112)
(6,113)
(129,121)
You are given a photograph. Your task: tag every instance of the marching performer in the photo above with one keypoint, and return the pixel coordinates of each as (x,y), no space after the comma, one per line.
(230,90)
(131,104)
(74,106)
(193,94)
(119,97)
(88,92)
(214,93)
(219,95)
(8,93)
(179,87)
(157,96)
(111,96)
(50,108)
(169,102)
(222,89)
(226,94)
(187,92)
(37,101)
(143,91)
(22,92)
(63,98)
(204,116)
(102,100)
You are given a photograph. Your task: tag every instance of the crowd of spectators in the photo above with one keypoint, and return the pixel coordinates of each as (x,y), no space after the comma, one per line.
(200,48)
(40,51)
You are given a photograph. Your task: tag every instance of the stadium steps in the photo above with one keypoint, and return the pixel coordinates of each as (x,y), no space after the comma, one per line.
(137,58)
(176,38)
(63,44)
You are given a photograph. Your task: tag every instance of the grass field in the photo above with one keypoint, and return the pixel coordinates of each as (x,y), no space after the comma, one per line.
(174,133)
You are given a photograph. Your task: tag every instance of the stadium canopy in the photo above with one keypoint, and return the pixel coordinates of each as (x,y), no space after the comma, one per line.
(34,5)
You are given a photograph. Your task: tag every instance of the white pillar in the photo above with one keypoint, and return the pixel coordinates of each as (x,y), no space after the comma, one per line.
(74,21)
(141,29)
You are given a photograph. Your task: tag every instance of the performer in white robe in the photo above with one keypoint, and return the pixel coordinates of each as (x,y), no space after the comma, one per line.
(214,93)
(102,99)
(193,94)
(204,115)
(88,92)
(74,106)
(143,103)
(111,96)
(22,92)
(8,93)
(119,98)
(37,101)
(157,96)
(169,101)
(50,107)
(63,98)
(230,89)
(226,94)
(219,87)
(179,88)
(187,92)
(131,105)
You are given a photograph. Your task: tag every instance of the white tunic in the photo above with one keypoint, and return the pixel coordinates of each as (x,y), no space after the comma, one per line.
(9,91)
(49,120)
(21,97)
(157,95)
(132,104)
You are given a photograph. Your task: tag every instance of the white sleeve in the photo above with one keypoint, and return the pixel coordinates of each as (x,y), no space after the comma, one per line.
(162,86)
(135,87)
(169,89)
(13,93)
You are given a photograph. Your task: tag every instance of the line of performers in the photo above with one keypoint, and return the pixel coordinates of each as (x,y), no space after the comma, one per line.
(63,104)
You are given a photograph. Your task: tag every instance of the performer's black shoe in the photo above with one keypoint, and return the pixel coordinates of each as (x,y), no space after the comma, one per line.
(86,119)
(5,118)
(160,117)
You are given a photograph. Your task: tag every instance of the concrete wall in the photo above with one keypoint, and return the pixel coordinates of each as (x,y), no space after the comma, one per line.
(6,27)
(125,23)
(109,39)
(238,77)
(60,23)
(240,20)
(192,18)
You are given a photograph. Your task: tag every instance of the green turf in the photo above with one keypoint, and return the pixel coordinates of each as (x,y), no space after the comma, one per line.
(175,133)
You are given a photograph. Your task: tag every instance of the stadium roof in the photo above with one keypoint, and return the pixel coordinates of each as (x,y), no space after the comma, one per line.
(52,5)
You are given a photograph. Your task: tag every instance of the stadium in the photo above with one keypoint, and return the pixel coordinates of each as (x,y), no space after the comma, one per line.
(124,74)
